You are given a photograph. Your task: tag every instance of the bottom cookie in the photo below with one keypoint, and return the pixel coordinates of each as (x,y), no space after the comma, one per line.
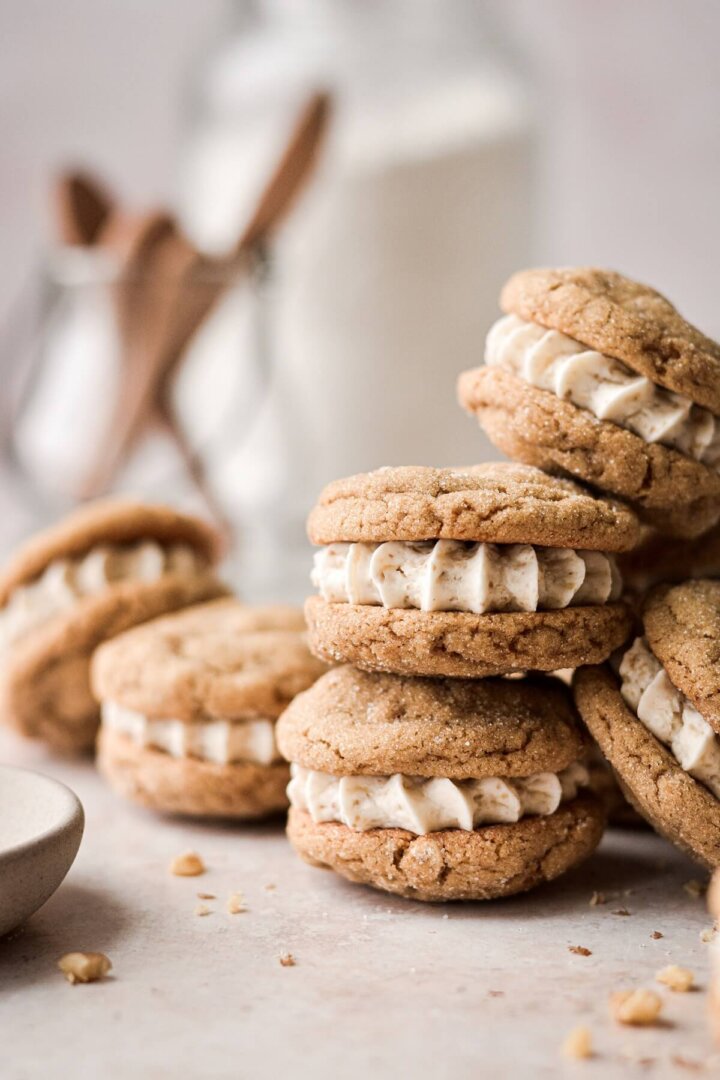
(456,864)
(188,786)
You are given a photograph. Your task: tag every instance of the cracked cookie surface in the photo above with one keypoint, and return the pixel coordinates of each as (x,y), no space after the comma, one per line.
(676,805)
(487,863)
(669,490)
(497,502)
(624,319)
(461,644)
(353,723)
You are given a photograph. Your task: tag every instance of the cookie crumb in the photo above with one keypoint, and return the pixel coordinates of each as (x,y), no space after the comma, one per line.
(236,903)
(206,896)
(597,898)
(202,909)
(677,978)
(695,888)
(622,911)
(577,1044)
(271,887)
(496,993)
(708,934)
(687,1063)
(288,960)
(656,935)
(579,950)
(637,1007)
(188,864)
(79,967)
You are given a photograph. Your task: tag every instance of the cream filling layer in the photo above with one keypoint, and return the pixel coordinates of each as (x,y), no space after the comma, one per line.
(550,360)
(222,742)
(668,714)
(451,575)
(423,805)
(66,581)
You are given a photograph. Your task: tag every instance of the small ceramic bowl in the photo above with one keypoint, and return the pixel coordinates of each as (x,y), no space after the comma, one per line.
(41,825)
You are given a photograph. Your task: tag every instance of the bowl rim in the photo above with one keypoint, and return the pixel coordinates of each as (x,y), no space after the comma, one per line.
(75,817)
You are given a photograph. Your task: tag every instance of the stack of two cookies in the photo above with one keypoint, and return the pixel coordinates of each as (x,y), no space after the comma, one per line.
(417,767)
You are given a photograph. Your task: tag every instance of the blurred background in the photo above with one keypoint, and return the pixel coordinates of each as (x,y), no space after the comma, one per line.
(400,159)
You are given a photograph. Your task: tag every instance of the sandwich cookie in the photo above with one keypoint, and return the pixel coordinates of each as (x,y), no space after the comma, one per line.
(466,572)
(438,789)
(658,722)
(663,560)
(107,567)
(594,376)
(189,704)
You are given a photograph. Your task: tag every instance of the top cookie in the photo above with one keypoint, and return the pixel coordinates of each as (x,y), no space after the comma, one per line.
(109,521)
(682,625)
(498,502)
(624,319)
(354,722)
(220,660)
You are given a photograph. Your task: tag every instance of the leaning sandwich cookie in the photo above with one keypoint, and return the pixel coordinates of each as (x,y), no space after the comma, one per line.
(103,569)
(592,375)
(189,704)
(658,722)
(466,572)
(438,789)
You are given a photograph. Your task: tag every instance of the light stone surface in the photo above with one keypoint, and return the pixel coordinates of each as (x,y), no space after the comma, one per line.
(382,987)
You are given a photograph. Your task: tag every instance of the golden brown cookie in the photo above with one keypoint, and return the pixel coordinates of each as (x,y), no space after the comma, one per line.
(461,644)
(102,570)
(355,722)
(621,318)
(489,863)
(465,572)
(670,490)
(497,502)
(189,704)
(678,806)
(661,559)
(439,789)
(682,626)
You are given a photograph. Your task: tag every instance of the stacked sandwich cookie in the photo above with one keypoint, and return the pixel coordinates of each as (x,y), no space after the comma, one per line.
(189,704)
(416,768)
(103,569)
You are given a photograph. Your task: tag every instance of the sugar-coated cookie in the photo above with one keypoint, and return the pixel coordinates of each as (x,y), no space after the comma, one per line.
(438,789)
(105,568)
(592,375)
(466,572)
(189,704)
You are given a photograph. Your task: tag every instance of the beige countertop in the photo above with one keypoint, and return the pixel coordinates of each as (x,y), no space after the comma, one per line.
(381,987)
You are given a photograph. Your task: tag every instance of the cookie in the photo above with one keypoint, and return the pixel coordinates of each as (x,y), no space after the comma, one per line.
(466,572)
(438,789)
(661,559)
(664,751)
(597,377)
(105,568)
(714,987)
(189,704)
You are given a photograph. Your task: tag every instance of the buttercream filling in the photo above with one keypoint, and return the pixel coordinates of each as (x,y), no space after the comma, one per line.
(423,805)
(552,361)
(666,712)
(66,581)
(222,742)
(451,575)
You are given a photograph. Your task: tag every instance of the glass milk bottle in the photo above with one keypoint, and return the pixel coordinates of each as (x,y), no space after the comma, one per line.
(385,278)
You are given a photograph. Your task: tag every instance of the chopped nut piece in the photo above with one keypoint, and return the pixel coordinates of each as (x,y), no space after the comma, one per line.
(708,934)
(579,950)
(695,888)
(236,903)
(206,896)
(80,967)
(637,1007)
(577,1044)
(656,935)
(188,865)
(597,898)
(288,960)
(203,909)
(622,911)
(677,978)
